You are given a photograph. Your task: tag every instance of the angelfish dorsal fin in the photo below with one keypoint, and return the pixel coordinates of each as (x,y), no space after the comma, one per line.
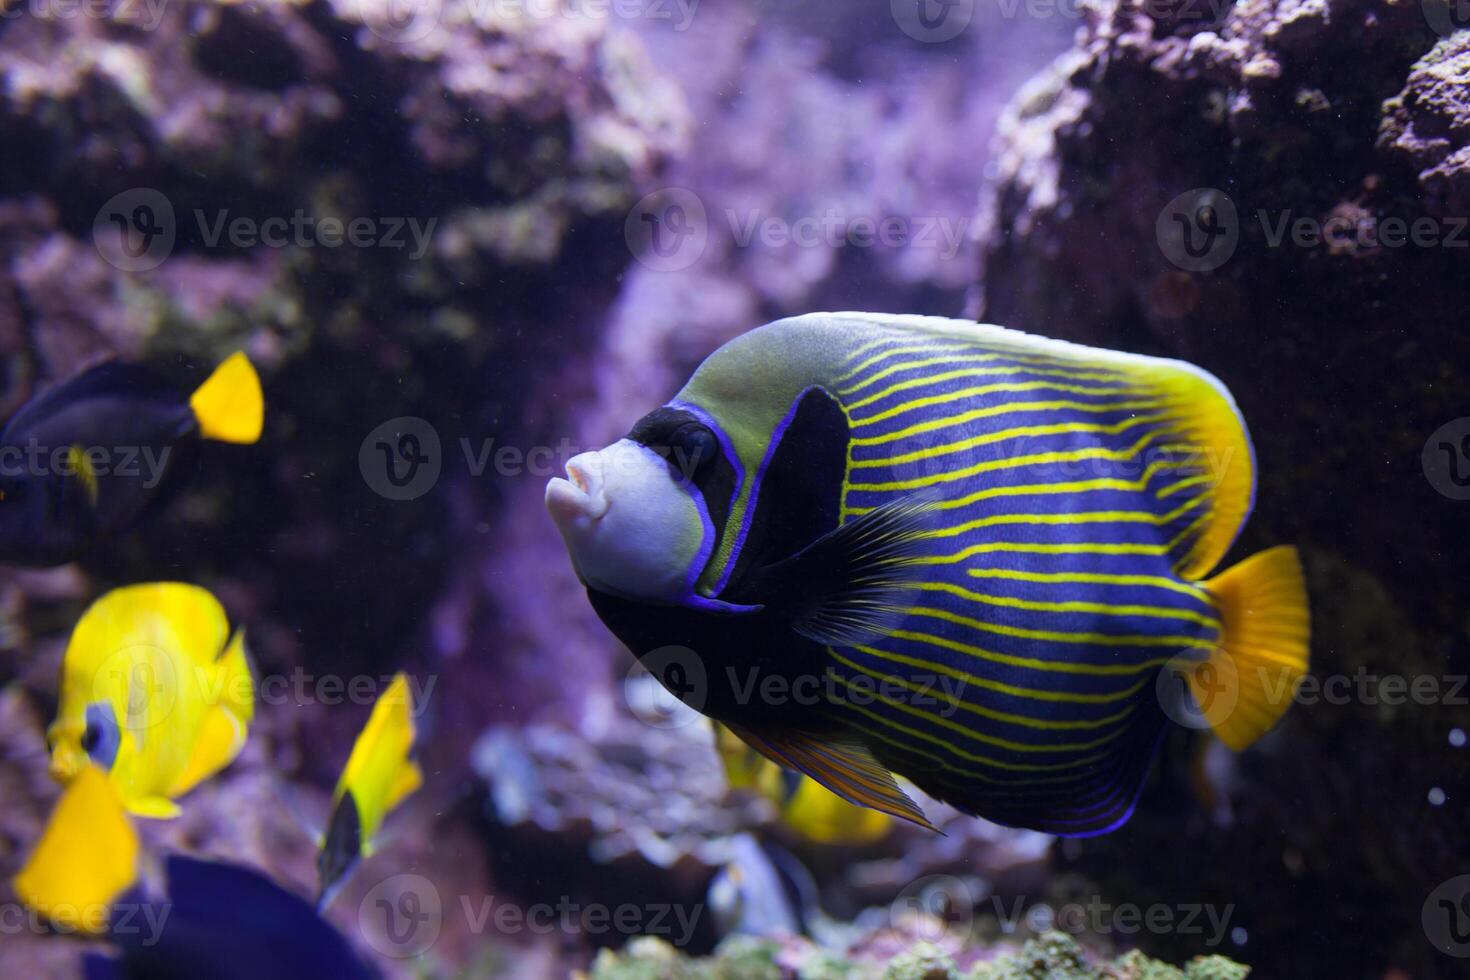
(846,586)
(844,767)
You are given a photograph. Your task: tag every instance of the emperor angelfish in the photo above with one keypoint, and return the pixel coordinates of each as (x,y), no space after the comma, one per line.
(948,551)
(86,459)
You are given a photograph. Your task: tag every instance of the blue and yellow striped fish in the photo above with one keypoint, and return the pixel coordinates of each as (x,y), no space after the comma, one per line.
(875,545)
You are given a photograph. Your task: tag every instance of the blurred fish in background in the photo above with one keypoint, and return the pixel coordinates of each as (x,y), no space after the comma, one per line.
(156,690)
(86,459)
(223,920)
(87,856)
(379,775)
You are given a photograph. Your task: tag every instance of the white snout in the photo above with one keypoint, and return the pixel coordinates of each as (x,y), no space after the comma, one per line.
(581,496)
(632,530)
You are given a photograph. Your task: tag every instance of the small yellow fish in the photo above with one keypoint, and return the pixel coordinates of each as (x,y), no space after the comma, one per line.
(154,690)
(805,805)
(379,776)
(87,856)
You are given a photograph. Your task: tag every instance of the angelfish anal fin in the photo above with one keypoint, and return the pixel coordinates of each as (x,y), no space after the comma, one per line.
(847,586)
(844,767)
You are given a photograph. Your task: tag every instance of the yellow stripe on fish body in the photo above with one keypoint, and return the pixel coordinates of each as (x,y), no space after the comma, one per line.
(87,856)
(1089,491)
(156,691)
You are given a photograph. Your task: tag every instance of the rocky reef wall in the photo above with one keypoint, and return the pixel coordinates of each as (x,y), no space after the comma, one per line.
(1276,190)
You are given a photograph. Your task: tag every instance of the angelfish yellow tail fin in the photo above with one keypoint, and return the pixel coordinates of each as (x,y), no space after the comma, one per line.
(1263,645)
(229,405)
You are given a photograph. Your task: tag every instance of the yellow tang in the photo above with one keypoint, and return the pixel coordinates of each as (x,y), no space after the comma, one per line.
(87,856)
(155,691)
(379,776)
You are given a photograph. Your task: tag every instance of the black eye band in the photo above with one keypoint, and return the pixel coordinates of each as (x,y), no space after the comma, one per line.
(694,454)
(692,448)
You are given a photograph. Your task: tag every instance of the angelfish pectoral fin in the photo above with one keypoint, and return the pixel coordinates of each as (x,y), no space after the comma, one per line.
(844,767)
(846,587)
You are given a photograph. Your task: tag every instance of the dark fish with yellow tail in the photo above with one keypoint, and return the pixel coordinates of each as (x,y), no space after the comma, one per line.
(225,922)
(380,774)
(945,550)
(84,461)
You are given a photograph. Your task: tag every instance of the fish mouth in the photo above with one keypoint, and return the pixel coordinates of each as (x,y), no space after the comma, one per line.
(581,495)
(65,764)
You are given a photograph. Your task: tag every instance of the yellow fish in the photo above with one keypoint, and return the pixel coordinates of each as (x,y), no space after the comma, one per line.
(154,690)
(87,856)
(805,805)
(379,776)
